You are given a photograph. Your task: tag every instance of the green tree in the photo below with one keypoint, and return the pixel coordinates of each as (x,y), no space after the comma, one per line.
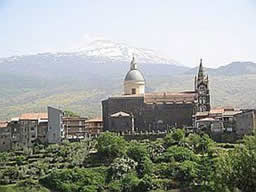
(12,173)
(236,169)
(120,167)
(144,167)
(187,173)
(177,153)
(4,156)
(20,159)
(110,146)
(115,186)
(155,149)
(176,137)
(137,151)
(130,183)
(70,114)
(75,180)
(200,143)
(145,184)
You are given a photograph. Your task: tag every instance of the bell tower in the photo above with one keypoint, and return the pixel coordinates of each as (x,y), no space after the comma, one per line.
(202,89)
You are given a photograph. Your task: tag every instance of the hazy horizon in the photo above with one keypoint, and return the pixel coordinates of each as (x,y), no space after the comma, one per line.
(217,31)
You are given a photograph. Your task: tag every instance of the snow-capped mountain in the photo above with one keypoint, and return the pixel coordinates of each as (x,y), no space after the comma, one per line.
(93,60)
(109,50)
(105,51)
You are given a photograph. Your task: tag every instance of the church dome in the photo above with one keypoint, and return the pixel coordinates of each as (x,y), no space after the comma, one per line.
(134,82)
(134,75)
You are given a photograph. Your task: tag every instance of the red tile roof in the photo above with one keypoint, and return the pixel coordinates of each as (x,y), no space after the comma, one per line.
(3,124)
(33,116)
(180,97)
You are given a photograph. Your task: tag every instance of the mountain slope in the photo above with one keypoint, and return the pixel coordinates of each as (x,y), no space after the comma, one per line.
(56,66)
(79,81)
(234,68)
(238,68)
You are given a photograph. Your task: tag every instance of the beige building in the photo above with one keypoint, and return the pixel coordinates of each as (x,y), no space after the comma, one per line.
(28,129)
(42,130)
(94,126)
(75,127)
(226,119)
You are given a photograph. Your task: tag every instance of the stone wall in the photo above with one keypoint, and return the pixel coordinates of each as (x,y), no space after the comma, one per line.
(244,123)
(161,116)
(5,138)
(131,105)
(148,117)
(120,124)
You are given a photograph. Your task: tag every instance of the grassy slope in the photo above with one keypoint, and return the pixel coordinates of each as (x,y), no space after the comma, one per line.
(15,188)
(85,97)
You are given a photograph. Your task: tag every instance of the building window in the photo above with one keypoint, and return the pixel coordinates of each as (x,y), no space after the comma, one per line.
(229,129)
(133,91)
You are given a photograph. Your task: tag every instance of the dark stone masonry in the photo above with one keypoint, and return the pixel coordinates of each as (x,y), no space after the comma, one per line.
(154,111)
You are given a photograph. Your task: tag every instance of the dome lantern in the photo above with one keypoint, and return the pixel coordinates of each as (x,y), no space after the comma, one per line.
(134,82)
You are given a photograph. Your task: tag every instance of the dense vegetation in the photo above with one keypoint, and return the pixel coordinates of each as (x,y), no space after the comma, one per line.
(181,162)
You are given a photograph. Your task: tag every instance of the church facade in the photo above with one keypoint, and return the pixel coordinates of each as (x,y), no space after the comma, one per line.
(137,111)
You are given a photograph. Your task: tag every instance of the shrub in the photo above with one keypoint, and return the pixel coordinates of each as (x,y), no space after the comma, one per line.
(187,173)
(137,151)
(20,160)
(145,184)
(177,153)
(144,167)
(110,146)
(74,180)
(176,137)
(130,183)
(120,167)
(115,186)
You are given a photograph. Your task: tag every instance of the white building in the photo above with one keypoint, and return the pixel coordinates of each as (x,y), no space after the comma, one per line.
(55,125)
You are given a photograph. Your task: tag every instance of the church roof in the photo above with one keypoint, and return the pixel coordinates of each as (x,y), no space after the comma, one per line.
(169,97)
(134,74)
(163,97)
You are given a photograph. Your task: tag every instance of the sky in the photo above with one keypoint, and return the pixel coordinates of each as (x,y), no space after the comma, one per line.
(219,31)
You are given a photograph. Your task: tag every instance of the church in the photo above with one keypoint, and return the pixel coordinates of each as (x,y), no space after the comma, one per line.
(137,111)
